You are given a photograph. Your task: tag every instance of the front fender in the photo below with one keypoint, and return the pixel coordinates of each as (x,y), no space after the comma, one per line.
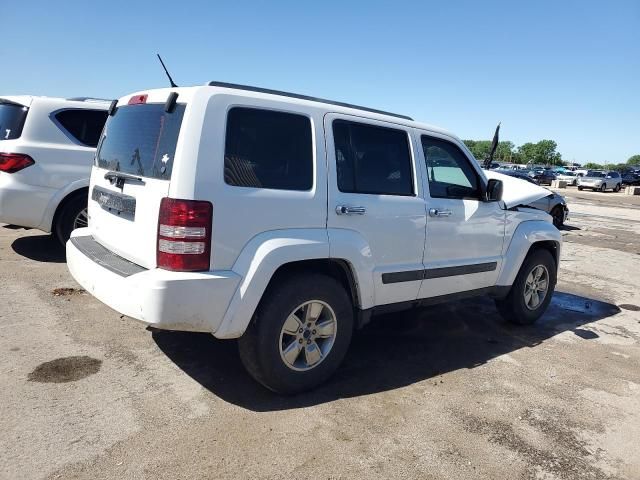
(526,234)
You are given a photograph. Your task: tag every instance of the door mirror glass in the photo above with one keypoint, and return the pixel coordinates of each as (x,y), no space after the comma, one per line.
(494,190)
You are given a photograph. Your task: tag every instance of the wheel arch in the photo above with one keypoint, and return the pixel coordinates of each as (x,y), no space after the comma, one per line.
(82,191)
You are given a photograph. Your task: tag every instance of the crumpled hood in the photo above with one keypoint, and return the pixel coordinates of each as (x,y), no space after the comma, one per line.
(517,192)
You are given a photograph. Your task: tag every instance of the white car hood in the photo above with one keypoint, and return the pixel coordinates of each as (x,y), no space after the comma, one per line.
(516,191)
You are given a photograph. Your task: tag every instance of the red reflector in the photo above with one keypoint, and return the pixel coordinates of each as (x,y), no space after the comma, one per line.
(136,99)
(184,235)
(14,162)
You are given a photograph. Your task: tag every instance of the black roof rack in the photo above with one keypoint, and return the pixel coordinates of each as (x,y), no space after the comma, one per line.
(303,97)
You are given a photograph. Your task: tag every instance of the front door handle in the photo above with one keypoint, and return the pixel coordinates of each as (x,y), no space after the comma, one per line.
(439,212)
(349,210)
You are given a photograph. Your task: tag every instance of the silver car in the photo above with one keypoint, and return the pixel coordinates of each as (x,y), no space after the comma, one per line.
(600,180)
(554,204)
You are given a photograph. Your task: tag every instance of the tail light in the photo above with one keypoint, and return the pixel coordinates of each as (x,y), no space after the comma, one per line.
(184,235)
(14,162)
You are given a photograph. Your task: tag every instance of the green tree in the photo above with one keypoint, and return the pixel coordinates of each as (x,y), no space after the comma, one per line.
(592,166)
(634,160)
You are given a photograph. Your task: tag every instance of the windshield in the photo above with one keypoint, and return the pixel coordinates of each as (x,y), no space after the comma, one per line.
(141,140)
(592,173)
(12,117)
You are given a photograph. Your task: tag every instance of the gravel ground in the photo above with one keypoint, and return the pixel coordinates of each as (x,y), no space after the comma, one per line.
(447,392)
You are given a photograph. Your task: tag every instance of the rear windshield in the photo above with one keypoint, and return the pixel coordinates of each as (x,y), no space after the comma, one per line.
(591,173)
(12,117)
(141,140)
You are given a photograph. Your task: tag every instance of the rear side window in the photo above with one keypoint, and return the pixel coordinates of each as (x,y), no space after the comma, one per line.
(12,117)
(141,140)
(268,149)
(372,159)
(85,126)
(448,169)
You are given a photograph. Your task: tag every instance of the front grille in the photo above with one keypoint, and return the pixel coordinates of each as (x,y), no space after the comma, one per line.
(105,257)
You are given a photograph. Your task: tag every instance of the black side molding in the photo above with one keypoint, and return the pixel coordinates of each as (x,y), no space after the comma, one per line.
(414,275)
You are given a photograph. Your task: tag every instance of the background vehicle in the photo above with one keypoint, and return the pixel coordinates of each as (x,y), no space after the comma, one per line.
(228,221)
(46,149)
(630,179)
(542,176)
(554,203)
(570,177)
(600,180)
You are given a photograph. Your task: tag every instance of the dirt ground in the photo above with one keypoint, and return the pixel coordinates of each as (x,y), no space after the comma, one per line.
(447,392)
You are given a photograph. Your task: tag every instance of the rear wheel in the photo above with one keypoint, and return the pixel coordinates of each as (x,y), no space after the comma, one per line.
(580,188)
(531,292)
(299,334)
(72,215)
(603,187)
(617,188)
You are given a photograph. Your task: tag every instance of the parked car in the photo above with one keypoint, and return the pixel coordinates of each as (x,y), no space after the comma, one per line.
(600,180)
(570,177)
(630,179)
(47,147)
(287,221)
(554,203)
(542,176)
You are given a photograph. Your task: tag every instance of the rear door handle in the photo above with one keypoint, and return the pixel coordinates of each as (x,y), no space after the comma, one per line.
(349,210)
(439,212)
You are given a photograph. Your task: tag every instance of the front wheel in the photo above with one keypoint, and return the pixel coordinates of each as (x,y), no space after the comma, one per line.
(580,189)
(603,187)
(299,334)
(532,289)
(617,189)
(558,216)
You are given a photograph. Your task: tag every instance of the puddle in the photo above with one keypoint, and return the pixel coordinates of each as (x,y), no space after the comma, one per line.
(65,369)
(630,306)
(63,292)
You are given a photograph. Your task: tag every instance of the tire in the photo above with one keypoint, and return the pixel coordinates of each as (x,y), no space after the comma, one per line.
(513,307)
(603,187)
(579,188)
(71,217)
(263,345)
(557,213)
(617,188)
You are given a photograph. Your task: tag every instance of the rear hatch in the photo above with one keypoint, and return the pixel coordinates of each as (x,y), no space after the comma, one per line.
(132,174)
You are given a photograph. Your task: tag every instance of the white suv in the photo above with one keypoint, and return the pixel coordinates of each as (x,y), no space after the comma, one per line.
(287,221)
(47,146)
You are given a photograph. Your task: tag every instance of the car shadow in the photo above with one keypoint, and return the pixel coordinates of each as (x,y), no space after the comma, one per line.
(569,228)
(393,351)
(41,248)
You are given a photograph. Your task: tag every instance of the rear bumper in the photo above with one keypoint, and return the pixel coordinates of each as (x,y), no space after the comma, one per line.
(167,300)
(22,204)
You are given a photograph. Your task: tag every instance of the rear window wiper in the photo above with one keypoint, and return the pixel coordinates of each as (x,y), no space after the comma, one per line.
(119,178)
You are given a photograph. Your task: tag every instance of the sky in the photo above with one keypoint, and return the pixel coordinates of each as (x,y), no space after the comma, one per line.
(562,70)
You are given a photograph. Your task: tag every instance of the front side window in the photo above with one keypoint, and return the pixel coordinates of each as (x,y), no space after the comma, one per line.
(85,126)
(268,149)
(372,159)
(449,171)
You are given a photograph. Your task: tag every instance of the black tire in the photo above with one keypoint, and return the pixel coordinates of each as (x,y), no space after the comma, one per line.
(513,308)
(66,217)
(259,347)
(617,188)
(579,188)
(603,187)
(558,216)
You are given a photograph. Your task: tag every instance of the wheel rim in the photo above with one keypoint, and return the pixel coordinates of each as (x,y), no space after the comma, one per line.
(308,335)
(81,220)
(536,287)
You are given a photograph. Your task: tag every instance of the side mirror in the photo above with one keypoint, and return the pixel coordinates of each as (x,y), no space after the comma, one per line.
(494,190)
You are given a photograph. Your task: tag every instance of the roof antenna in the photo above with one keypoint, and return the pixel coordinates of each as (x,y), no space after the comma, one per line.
(167,72)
